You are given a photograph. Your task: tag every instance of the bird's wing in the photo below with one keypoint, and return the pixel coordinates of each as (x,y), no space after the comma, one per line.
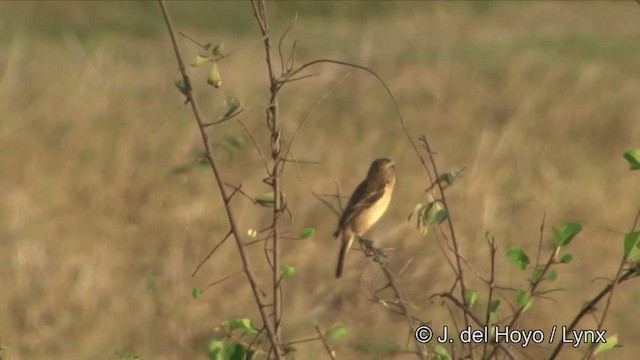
(363,197)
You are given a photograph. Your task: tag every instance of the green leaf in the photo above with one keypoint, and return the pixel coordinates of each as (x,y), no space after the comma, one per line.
(552,275)
(441,353)
(440,216)
(493,305)
(182,87)
(435,213)
(537,275)
(216,349)
(236,351)
(230,105)
(471,296)
(207,46)
(200,60)
(266,199)
(236,142)
(240,323)
(518,258)
(287,348)
(218,50)
(566,258)
(523,299)
(214,78)
(450,176)
(123,357)
(418,211)
(564,235)
(631,240)
(337,331)
(609,343)
(287,271)
(633,157)
(306,233)
(196,292)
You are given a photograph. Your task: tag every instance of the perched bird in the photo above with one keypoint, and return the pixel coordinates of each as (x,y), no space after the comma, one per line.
(366,205)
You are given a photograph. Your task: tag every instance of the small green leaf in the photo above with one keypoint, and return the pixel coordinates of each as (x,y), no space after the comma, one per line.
(631,240)
(493,305)
(633,157)
(218,50)
(202,162)
(337,331)
(609,343)
(123,357)
(440,216)
(523,299)
(214,78)
(207,46)
(518,258)
(240,323)
(182,87)
(564,235)
(536,276)
(200,60)
(471,296)
(306,233)
(287,271)
(552,275)
(229,106)
(236,351)
(266,199)
(196,292)
(236,142)
(419,212)
(566,258)
(435,213)
(287,348)
(216,349)
(450,176)
(441,353)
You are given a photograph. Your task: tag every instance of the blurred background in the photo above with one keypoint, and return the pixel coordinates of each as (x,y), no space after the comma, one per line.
(103,220)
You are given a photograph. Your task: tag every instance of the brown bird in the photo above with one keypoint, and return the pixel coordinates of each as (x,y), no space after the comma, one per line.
(366,205)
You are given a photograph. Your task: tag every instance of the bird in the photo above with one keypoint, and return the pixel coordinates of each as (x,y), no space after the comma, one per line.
(366,205)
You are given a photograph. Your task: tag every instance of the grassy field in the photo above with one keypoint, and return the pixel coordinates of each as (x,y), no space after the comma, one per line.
(100,234)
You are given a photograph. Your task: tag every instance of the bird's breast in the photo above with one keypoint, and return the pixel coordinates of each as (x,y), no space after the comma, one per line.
(380,207)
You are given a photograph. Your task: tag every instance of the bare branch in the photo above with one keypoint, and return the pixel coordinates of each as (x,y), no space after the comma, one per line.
(271,332)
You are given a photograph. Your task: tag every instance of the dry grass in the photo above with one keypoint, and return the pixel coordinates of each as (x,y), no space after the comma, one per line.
(538,100)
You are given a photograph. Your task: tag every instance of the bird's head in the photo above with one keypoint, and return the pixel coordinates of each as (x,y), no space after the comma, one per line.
(381,168)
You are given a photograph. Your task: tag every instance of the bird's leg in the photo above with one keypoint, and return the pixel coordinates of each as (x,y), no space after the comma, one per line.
(369,250)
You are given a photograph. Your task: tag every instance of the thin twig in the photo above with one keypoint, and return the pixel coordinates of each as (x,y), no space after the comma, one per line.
(225,278)
(224,119)
(308,115)
(326,344)
(384,85)
(211,253)
(255,144)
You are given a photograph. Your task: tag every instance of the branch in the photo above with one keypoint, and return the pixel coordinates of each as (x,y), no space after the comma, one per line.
(273,123)
(220,183)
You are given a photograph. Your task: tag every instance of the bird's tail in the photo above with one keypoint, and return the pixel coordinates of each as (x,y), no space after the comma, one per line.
(342,255)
